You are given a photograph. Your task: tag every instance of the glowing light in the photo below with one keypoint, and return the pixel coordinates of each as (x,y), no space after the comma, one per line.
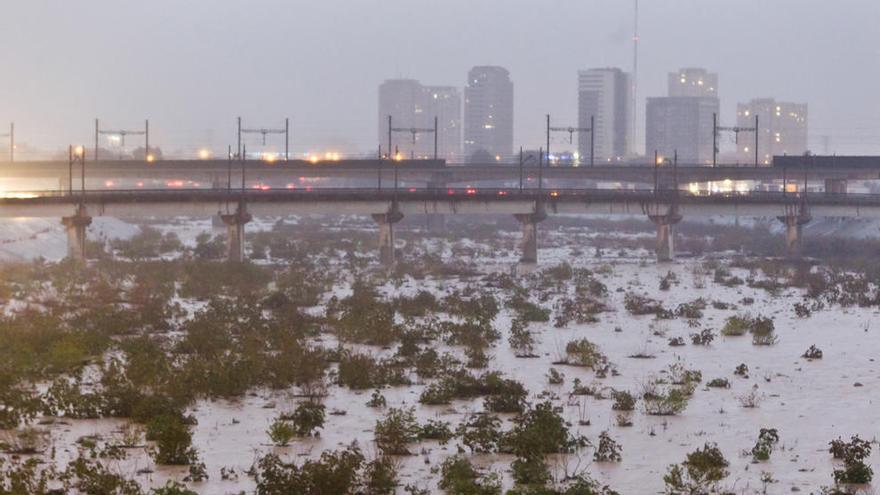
(497,158)
(269,157)
(398,157)
(554,194)
(17,195)
(471,191)
(109,183)
(151,158)
(660,160)
(204,154)
(313,159)
(140,184)
(78,151)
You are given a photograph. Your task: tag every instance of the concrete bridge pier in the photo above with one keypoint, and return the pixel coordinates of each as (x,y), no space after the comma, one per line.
(665,235)
(386,223)
(76,233)
(529,244)
(835,186)
(794,219)
(235,223)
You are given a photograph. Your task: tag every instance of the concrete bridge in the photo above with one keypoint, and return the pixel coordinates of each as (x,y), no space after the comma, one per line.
(833,172)
(236,208)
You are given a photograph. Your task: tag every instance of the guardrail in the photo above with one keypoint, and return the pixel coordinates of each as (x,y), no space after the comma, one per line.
(427,194)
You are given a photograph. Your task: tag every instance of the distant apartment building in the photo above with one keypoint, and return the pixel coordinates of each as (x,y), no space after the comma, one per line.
(782,129)
(604,96)
(683,121)
(414,106)
(682,124)
(488,115)
(693,82)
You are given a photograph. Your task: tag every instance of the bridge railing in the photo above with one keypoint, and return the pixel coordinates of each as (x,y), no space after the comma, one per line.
(424,193)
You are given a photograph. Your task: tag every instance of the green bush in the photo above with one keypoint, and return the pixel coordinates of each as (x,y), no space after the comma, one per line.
(481,433)
(436,430)
(458,476)
(380,476)
(335,472)
(582,352)
(853,454)
(281,432)
(608,450)
(700,473)
(542,430)
(173,441)
(767,440)
(396,431)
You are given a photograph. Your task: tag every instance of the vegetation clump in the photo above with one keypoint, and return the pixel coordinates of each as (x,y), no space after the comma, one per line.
(767,440)
(582,352)
(812,353)
(396,431)
(521,340)
(334,472)
(458,475)
(853,455)
(608,450)
(701,472)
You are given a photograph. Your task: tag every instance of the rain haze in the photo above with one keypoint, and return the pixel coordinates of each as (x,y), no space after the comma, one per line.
(460,247)
(192,67)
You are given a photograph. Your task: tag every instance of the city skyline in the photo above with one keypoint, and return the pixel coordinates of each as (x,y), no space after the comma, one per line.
(190,106)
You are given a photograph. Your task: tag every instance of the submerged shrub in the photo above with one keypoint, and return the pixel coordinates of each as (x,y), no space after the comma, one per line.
(458,475)
(608,450)
(853,454)
(582,352)
(813,353)
(396,431)
(173,441)
(700,473)
(767,440)
(281,432)
(334,472)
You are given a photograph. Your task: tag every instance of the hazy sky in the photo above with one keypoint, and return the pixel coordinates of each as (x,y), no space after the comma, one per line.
(192,66)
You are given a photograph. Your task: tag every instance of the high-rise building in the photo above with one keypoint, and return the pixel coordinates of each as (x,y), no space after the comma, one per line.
(604,96)
(684,120)
(682,124)
(444,102)
(782,129)
(693,82)
(488,115)
(413,106)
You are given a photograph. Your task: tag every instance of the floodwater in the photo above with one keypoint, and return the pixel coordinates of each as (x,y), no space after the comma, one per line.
(809,402)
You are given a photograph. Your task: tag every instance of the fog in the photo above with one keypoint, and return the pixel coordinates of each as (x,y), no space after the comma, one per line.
(192,67)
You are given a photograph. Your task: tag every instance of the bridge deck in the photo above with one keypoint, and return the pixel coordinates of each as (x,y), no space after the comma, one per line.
(277,202)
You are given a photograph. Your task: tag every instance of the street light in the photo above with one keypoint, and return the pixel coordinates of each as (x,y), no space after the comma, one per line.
(76,155)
